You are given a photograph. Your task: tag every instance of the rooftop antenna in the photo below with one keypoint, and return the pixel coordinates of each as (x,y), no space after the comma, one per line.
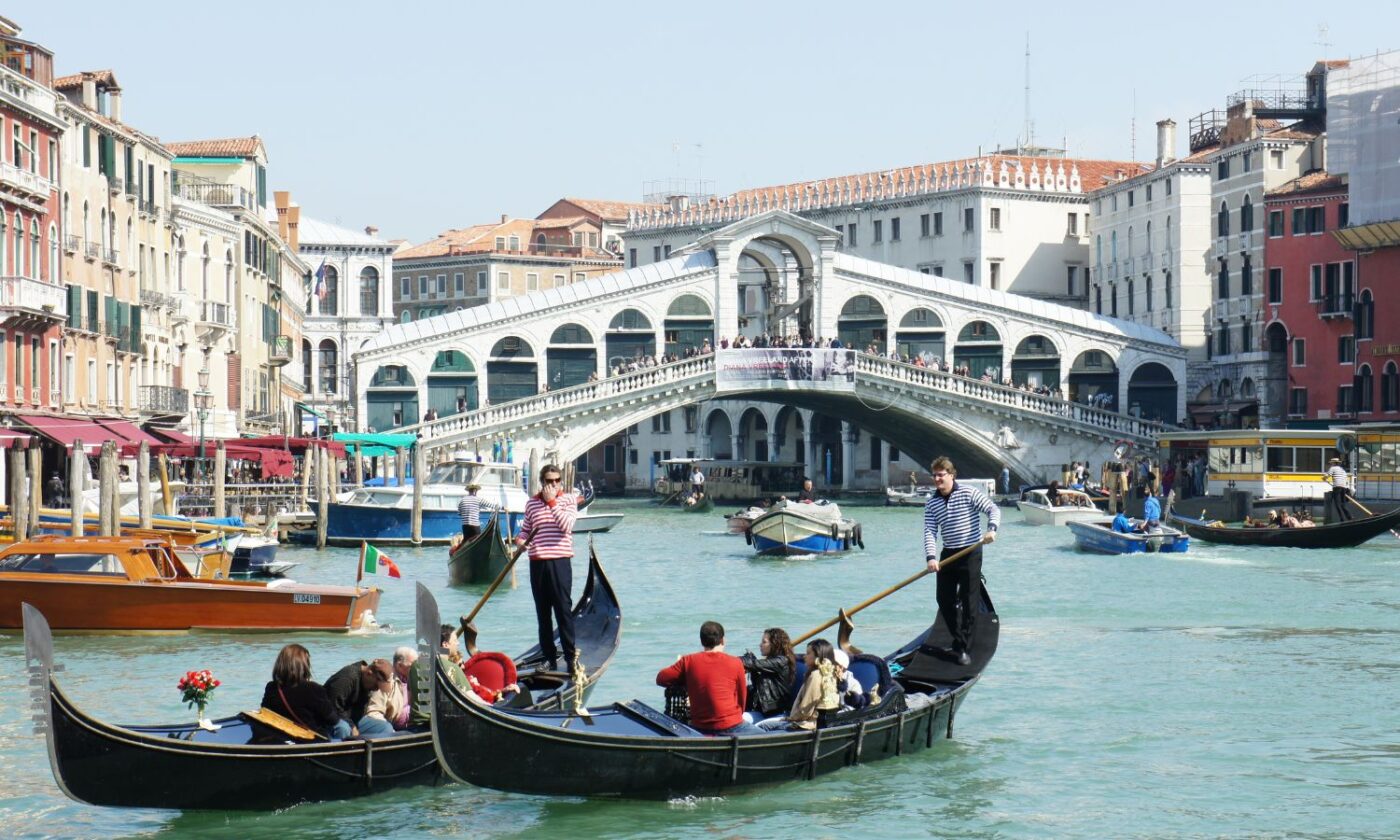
(1322,40)
(1027,131)
(1132,130)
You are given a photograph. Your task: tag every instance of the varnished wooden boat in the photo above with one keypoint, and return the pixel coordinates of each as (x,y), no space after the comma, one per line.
(133,585)
(634,750)
(1330,535)
(186,767)
(481,558)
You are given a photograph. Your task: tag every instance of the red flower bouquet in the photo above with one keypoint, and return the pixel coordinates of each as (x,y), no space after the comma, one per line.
(196,687)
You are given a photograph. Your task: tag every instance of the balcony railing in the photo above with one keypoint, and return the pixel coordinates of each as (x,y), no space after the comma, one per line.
(163,399)
(1334,306)
(214,194)
(72,243)
(30,183)
(114,184)
(217,313)
(90,250)
(110,255)
(26,294)
(150,297)
(281,350)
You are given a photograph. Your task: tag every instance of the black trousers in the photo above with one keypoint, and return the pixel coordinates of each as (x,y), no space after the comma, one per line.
(959,593)
(1337,504)
(552,583)
(470,531)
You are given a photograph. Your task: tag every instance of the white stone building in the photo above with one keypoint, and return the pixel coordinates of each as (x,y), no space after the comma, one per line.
(1151,239)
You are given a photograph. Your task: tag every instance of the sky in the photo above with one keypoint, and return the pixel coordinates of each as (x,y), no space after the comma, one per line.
(423,116)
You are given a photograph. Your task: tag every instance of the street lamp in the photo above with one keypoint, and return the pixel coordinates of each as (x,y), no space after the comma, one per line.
(202,401)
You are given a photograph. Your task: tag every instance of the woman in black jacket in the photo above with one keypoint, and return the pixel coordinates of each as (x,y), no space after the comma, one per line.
(771,675)
(292,694)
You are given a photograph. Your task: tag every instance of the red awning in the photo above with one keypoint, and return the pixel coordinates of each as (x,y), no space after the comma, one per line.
(275,463)
(9,438)
(171,435)
(128,430)
(293,444)
(67,431)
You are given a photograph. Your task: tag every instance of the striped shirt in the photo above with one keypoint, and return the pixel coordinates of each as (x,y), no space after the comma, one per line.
(470,510)
(955,518)
(549,529)
(1338,476)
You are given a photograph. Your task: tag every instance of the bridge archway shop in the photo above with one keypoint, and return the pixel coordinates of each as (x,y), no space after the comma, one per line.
(511,371)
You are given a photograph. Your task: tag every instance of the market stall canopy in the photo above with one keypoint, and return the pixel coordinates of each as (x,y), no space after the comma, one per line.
(92,431)
(296,445)
(276,463)
(10,438)
(171,435)
(374,445)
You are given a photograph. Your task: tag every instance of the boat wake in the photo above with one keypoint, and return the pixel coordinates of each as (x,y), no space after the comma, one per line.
(690,802)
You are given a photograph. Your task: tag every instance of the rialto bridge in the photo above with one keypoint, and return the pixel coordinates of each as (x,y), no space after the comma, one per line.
(541,369)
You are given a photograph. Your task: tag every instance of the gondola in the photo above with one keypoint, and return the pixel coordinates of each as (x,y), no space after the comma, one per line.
(1331,535)
(704,504)
(481,558)
(633,750)
(586,495)
(185,767)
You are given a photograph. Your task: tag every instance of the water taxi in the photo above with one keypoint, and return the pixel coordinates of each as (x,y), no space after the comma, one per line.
(789,528)
(137,585)
(1069,505)
(729,481)
(1267,463)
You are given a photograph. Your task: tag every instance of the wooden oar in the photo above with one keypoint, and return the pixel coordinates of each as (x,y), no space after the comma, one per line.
(893,589)
(1368,512)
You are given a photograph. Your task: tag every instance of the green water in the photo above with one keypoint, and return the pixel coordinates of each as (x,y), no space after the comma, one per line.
(1226,691)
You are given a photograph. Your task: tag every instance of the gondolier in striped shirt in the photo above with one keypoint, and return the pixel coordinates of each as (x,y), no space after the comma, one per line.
(1341,490)
(953,516)
(547,529)
(470,511)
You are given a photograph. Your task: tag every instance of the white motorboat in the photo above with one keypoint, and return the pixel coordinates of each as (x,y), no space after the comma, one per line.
(803,528)
(596,523)
(1070,506)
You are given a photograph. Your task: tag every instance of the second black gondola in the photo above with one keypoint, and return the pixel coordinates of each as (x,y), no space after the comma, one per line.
(481,558)
(183,766)
(1346,534)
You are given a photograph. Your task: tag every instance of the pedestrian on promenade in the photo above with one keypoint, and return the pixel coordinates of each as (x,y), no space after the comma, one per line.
(952,517)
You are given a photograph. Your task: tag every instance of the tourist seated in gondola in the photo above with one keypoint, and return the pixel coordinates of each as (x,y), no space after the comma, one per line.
(851,692)
(386,704)
(819,696)
(491,677)
(771,674)
(1287,520)
(421,671)
(1305,520)
(714,682)
(292,694)
(350,688)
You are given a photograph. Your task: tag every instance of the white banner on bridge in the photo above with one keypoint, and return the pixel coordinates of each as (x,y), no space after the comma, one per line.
(796,368)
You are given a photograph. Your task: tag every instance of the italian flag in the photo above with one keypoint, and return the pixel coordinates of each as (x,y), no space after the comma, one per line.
(376,562)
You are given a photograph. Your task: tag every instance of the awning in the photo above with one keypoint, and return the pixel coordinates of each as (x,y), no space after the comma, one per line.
(9,438)
(171,435)
(309,410)
(129,431)
(298,445)
(66,431)
(275,462)
(374,445)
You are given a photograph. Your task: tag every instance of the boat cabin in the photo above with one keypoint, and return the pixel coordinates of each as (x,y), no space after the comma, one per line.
(462,472)
(1066,498)
(1269,463)
(732,481)
(118,558)
(1377,474)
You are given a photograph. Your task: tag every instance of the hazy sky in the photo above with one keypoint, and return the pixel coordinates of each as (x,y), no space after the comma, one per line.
(418,117)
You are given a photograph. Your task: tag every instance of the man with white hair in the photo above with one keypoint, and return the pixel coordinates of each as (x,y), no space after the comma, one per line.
(387,711)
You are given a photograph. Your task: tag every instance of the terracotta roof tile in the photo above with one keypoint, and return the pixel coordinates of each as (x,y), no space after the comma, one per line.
(1313,182)
(567,221)
(481,239)
(229,147)
(611,211)
(103,77)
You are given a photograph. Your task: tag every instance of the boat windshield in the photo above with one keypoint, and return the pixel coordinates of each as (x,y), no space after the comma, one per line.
(465,472)
(64,564)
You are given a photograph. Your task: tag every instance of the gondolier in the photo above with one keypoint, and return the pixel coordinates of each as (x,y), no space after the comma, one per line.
(470,511)
(547,528)
(1340,493)
(951,516)
(697,482)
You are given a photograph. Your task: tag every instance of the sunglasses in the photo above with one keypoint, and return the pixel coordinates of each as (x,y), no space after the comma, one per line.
(555,480)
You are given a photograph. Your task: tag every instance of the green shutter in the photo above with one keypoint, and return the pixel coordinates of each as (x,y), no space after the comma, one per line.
(136,343)
(87,146)
(92,311)
(75,306)
(109,309)
(111,156)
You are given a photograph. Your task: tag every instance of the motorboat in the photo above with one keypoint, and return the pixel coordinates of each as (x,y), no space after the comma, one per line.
(138,585)
(789,528)
(1098,536)
(1037,509)
(596,523)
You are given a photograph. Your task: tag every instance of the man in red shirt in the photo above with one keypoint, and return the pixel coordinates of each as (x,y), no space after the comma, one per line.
(548,530)
(715,682)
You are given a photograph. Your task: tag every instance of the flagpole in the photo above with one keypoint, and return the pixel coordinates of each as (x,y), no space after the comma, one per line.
(360,569)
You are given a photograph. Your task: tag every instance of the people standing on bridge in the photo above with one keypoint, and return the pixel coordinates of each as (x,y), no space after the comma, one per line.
(547,529)
(470,511)
(952,517)
(697,482)
(1341,491)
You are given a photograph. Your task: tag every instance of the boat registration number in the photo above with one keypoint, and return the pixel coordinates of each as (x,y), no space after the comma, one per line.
(305,598)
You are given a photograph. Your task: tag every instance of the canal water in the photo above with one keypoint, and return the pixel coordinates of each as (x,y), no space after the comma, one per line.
(1226,691)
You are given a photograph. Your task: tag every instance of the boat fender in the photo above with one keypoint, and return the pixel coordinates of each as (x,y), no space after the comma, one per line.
(859,537)
(748,536)
(835,530)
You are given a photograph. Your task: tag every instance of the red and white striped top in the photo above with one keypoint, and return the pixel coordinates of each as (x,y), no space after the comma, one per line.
(549,529)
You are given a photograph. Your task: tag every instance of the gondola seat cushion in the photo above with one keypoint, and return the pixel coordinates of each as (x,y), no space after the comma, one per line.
(871,671)
(493,672)
(799,676)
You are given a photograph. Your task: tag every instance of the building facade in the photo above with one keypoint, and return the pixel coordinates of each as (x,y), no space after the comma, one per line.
(347,302)
(33,300)
(609,216)
(1151,240)
(484,263)
(1017,223)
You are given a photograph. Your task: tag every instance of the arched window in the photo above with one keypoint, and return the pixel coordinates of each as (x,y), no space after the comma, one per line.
(329,291)
(1390,388)
(1148,249)
(67,214)
(18,248)
(1113,246)
(1222,220)
(131,244)
(1246,216)
(405,317)
(102,228)
(328,367)
(87,224)
(179,263)
(369,290)
(228,277)
(204,271)
(53,275)
(1130,242)
(1366,316)
(1167,245)
(1365,387)
(34,249)
(1098,249)
(307,364)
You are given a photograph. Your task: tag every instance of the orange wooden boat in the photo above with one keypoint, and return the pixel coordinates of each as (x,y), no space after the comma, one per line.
(134,585)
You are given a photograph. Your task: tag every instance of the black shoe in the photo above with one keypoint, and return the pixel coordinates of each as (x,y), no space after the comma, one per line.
(964,658)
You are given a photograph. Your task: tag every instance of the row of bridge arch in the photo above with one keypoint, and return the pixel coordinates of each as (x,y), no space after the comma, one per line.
(515,367)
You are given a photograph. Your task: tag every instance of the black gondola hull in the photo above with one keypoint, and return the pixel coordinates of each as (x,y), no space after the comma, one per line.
(603,755)
(1334,535)
(480,559)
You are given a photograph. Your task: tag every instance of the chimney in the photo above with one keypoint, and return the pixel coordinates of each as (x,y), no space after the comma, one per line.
(1166,141)
(371,230)
(293,221)
(681,203)
(89,92)
(282,199)
(504,218)
(114,104)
